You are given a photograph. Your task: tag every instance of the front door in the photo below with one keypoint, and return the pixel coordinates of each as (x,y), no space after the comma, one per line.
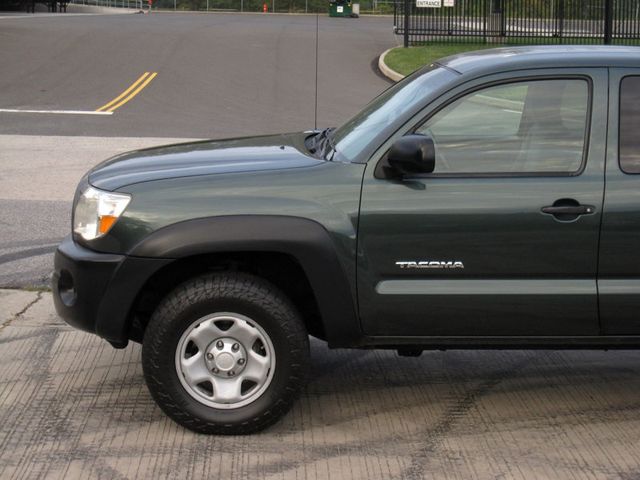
(502,238)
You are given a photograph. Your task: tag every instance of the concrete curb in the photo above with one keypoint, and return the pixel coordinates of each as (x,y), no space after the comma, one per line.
(386,71)
(76,8)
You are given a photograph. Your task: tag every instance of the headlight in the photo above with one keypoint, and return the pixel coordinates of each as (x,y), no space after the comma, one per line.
(97,211)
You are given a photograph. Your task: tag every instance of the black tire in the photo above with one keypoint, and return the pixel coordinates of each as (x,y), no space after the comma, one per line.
(244,294)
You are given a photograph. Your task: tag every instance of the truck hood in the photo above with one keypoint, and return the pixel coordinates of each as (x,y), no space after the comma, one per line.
(274,152)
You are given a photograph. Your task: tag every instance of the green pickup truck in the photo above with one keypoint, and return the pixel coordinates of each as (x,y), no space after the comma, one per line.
(489,200)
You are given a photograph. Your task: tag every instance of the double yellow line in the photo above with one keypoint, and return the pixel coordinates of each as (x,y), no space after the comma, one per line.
(135,88)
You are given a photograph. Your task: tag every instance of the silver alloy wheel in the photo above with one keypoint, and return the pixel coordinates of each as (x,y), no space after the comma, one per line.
(225,360)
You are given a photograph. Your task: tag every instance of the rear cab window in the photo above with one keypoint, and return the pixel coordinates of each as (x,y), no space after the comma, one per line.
(629,142)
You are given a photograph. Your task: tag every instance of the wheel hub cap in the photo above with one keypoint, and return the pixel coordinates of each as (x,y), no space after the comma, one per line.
(226,357)
(225,360)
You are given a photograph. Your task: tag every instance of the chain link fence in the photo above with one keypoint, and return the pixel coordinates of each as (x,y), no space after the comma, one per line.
(375,7)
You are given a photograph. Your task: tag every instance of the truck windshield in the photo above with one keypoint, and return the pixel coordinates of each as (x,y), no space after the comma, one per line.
(406,96)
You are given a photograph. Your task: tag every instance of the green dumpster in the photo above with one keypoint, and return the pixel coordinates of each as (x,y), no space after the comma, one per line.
(340,8)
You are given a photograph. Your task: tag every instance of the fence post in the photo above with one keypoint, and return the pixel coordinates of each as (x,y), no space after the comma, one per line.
(497,27)
(407,4)
(561,18)
(608,22)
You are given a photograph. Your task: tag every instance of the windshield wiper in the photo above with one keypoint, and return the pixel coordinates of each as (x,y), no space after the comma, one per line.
(319,142)
(329,142)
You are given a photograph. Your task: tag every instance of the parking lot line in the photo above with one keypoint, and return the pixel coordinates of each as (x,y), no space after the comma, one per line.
(63,112)
(133,90)
(6,16)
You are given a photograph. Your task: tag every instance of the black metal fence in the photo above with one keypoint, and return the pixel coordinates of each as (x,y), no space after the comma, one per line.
(518,21)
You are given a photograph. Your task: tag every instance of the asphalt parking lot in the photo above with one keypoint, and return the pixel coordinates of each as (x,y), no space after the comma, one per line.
(217,75)
(73,407)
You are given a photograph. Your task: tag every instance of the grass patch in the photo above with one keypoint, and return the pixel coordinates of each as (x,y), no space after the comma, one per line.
(407,60)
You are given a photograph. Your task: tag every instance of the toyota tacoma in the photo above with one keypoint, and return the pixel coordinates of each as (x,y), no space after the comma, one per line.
(489,200)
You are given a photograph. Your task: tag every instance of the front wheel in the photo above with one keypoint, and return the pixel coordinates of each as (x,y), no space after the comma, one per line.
(225,354)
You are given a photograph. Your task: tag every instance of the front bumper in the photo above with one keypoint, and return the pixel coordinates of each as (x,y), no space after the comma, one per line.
(96,291)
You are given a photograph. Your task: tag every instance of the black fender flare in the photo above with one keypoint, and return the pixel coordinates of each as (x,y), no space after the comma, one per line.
(305,240)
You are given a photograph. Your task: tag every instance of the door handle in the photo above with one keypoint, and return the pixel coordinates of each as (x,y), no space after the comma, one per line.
(567,209)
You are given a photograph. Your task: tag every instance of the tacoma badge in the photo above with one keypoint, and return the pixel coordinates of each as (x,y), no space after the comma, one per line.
(431,264)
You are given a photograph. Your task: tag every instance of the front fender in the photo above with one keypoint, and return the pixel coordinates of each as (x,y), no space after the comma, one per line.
(306,240)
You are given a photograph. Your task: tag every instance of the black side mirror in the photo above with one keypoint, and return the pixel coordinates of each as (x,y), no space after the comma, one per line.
(412,154)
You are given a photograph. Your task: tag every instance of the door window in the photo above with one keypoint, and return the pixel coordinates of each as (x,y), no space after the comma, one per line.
(630,125)
(528,127)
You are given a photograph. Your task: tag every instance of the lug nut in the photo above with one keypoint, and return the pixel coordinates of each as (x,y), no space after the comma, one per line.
(210,356)
(215,370)
(231,373)
(241,361)
(219,344)
(235,347)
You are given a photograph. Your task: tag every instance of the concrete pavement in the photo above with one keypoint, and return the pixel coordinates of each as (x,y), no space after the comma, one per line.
(73,407)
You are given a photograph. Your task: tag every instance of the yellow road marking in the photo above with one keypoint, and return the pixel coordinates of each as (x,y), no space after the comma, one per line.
(135,88)
(134,93)
(123,94)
